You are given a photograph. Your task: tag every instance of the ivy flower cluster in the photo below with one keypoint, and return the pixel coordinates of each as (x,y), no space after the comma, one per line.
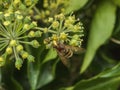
(64,29)
(25,6)
(51,8)
(16,31)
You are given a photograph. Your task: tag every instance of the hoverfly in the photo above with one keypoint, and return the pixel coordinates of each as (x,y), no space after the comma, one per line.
(66,51)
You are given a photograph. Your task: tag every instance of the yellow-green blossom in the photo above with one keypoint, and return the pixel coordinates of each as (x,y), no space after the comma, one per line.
(14,36)
(9,50)
(6,23)
(64,29)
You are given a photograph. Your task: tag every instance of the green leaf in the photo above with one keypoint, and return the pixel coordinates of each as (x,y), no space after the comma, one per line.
(68,88)
(45,77)
(99,84)
(33,71)
(52,54)
(106,80)
(0,75)
(113,72)
(101,29)
(117,2)
(8,79)
(75,5)
(39,72)
(15,84)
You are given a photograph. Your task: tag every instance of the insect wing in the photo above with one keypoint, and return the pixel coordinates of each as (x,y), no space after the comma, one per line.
(77,50)
(64,60)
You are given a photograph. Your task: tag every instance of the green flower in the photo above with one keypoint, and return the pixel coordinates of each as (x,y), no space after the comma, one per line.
(64,29)
(14,34)
(51,8)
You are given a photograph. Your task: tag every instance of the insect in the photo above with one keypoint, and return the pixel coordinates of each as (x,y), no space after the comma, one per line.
(66,51)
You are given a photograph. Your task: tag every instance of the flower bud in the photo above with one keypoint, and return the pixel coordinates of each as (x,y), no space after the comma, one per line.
(24,54)
(28,2)
(33,24)
(71,19)
(31,34)
(27,19)
(55,24)
(45,30)
(2,61)
(54,37)
(7,14)
(63,36)
(17,12)
(35,44)
(30,58)
(50,19)
(13,43)
(26,27)
(74,42)
(19,17)
(76,37)
(18,63)
(38,34)
(6,23)
(19,48)
(9,50)
(47,12)
(16,2)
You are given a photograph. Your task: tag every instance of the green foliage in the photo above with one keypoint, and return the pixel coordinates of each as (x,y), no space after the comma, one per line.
(39,37)
(101,29)
(117,2)
(75,5)
(50,55)
(107,80)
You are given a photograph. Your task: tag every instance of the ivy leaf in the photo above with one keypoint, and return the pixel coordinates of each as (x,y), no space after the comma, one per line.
(99,84)
(75,5)
(7,77)
(52,54)
(114,72)
(101,29)
(106,80)
(34,69)
(45,77)
(38,73)
(117,2)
